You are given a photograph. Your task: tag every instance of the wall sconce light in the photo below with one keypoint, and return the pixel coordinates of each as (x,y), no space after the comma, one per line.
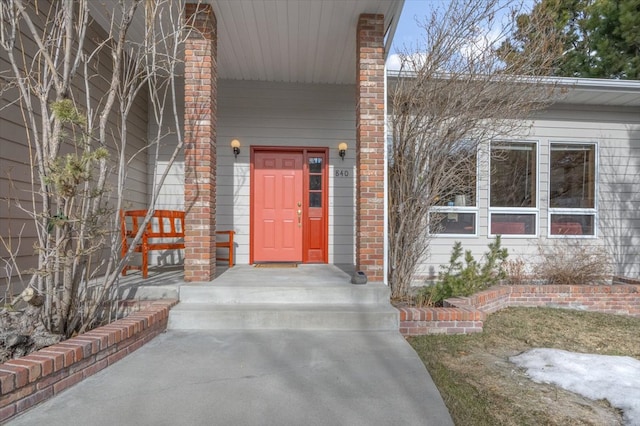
(342,150)
(235,144)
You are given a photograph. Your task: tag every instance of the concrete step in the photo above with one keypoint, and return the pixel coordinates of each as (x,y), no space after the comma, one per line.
(305,316)
(327,293)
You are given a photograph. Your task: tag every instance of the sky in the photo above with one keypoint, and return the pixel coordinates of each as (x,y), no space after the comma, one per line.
(614,378)
(408,32)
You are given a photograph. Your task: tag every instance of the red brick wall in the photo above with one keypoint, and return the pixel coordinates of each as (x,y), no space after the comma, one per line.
(370,146)
(467,314)
(27,381)
(200,122)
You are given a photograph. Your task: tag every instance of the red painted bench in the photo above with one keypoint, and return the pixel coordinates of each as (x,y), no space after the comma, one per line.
(226,244)
(164,224)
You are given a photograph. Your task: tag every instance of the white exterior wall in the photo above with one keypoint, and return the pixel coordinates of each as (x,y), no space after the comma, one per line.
(616,131)
(276,114)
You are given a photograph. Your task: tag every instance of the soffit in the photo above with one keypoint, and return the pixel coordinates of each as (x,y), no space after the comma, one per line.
(301,41)
(306,41)
(582,96)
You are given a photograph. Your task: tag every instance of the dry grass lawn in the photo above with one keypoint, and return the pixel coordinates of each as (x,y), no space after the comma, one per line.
(481,387)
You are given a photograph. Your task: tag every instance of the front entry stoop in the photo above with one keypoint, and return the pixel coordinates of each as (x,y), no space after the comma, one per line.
(310,297)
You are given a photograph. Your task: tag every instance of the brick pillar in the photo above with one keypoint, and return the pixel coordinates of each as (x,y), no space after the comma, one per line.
(370,146)
(200,121)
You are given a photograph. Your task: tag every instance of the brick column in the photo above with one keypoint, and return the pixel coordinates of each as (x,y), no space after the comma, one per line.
(200,121)
(370,146)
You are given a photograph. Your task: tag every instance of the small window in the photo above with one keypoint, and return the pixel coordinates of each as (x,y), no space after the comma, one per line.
(315,181)
(315,199)
(513,188)
(572,189)
(513,224)
(564,224)
(315,165)
(452,223)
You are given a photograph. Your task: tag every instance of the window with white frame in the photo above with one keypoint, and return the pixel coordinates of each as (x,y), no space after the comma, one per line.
(572,189)
(456,209)
(513,193)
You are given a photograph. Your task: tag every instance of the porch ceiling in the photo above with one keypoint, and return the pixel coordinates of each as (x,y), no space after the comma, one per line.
(305,41)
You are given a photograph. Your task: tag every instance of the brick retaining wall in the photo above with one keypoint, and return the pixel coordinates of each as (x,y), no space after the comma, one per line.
(467,314)
(29,380)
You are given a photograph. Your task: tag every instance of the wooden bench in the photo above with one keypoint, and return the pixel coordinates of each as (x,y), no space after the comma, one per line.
(226,244)
(164,224)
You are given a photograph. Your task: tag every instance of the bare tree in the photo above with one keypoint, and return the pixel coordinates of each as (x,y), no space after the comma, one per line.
(454,94)
(76,87)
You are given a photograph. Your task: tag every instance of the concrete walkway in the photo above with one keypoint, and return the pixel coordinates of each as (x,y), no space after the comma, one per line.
(255,378)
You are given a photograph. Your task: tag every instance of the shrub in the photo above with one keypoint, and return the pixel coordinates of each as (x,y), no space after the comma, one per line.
(515,271)
(466,278)
(569,262)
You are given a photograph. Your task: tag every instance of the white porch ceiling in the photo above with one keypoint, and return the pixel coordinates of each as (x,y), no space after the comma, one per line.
(307,41)
(302,41)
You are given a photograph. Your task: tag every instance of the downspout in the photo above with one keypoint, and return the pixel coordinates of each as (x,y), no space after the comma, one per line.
(390,32)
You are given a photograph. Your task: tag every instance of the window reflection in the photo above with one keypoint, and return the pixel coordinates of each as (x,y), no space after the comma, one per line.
(315,165)
(315,199)
(573,172)
(513,175)
(452,223)
(315,182)
(513,224)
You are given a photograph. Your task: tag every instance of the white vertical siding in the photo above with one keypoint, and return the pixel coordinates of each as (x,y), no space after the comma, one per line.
(616,131)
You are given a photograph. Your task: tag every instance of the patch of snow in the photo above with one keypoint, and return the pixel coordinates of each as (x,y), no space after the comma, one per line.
(615,378)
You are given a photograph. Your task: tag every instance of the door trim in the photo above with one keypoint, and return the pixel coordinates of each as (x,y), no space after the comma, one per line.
(305,151)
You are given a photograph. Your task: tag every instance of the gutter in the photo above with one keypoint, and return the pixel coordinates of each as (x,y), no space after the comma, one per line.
(391,31)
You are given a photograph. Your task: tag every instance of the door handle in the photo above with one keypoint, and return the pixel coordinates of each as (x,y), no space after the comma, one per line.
(299,218)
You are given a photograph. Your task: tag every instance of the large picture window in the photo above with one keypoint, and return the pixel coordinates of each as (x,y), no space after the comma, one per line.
(572,189)
(513,188)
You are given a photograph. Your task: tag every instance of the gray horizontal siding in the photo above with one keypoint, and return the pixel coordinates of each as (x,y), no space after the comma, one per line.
(277,114)
(617,133)
(15,167)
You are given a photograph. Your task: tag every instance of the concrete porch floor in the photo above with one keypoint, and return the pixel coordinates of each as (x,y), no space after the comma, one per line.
(304,274)
(164,282)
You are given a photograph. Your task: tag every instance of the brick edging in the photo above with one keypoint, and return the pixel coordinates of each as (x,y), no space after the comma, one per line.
(463,315)
(29,380)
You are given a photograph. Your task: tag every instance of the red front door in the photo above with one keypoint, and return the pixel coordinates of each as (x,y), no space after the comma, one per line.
(277,211)
(289,206)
